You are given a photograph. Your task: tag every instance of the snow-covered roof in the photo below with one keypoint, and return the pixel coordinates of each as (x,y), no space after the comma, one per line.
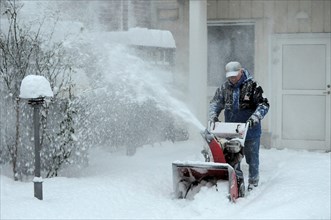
(139,37)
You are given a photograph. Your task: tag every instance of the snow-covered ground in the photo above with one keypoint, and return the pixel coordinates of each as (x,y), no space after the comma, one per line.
(294,185)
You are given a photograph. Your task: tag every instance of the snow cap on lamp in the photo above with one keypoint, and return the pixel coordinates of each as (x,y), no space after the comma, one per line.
(35,86)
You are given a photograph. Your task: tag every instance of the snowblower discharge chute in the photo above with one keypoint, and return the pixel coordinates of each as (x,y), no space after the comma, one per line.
(223,152)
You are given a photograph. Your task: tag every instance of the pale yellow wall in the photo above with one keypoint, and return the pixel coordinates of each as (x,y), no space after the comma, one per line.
(282,13)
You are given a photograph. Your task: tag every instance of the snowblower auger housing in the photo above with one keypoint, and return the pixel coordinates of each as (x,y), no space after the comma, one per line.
(223,152)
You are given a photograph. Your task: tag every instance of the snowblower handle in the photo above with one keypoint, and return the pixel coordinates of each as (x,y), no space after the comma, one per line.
(231,131)
(246,130)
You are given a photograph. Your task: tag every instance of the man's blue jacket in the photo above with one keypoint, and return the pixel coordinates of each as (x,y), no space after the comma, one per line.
(239,102)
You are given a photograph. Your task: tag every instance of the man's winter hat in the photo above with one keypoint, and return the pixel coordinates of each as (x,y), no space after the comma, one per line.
(232,68)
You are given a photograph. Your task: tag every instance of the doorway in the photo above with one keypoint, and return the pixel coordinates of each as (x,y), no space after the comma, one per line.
(228,42)
(300,70)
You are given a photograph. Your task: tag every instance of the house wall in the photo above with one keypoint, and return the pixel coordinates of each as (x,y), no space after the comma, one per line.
(271,17)
(292,16)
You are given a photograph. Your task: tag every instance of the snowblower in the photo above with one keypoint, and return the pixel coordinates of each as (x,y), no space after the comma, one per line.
(223,152)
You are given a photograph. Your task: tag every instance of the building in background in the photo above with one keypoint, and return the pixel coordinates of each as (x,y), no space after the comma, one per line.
(285,44)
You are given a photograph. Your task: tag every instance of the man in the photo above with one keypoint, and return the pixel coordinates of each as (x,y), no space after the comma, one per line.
(242,100)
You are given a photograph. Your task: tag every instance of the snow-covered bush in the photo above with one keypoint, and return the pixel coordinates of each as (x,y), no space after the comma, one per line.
(64,146)
(116,120)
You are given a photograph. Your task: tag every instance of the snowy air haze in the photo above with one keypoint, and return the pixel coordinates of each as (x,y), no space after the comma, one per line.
(117,183)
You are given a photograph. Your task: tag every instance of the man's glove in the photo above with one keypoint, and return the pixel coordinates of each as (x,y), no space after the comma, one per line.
(253,120)
(211,123)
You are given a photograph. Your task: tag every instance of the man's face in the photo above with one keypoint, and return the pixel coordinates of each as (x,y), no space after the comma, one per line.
(235,79)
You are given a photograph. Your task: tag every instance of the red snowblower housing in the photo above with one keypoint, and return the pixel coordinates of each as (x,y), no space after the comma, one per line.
(223,152)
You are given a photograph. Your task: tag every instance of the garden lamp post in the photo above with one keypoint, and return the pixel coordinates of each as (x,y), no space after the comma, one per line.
(35,88)
(37,180)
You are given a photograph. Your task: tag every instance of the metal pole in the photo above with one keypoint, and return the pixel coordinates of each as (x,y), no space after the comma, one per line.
(38,188)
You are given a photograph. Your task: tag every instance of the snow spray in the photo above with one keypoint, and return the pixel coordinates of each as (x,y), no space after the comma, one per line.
(144,81)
